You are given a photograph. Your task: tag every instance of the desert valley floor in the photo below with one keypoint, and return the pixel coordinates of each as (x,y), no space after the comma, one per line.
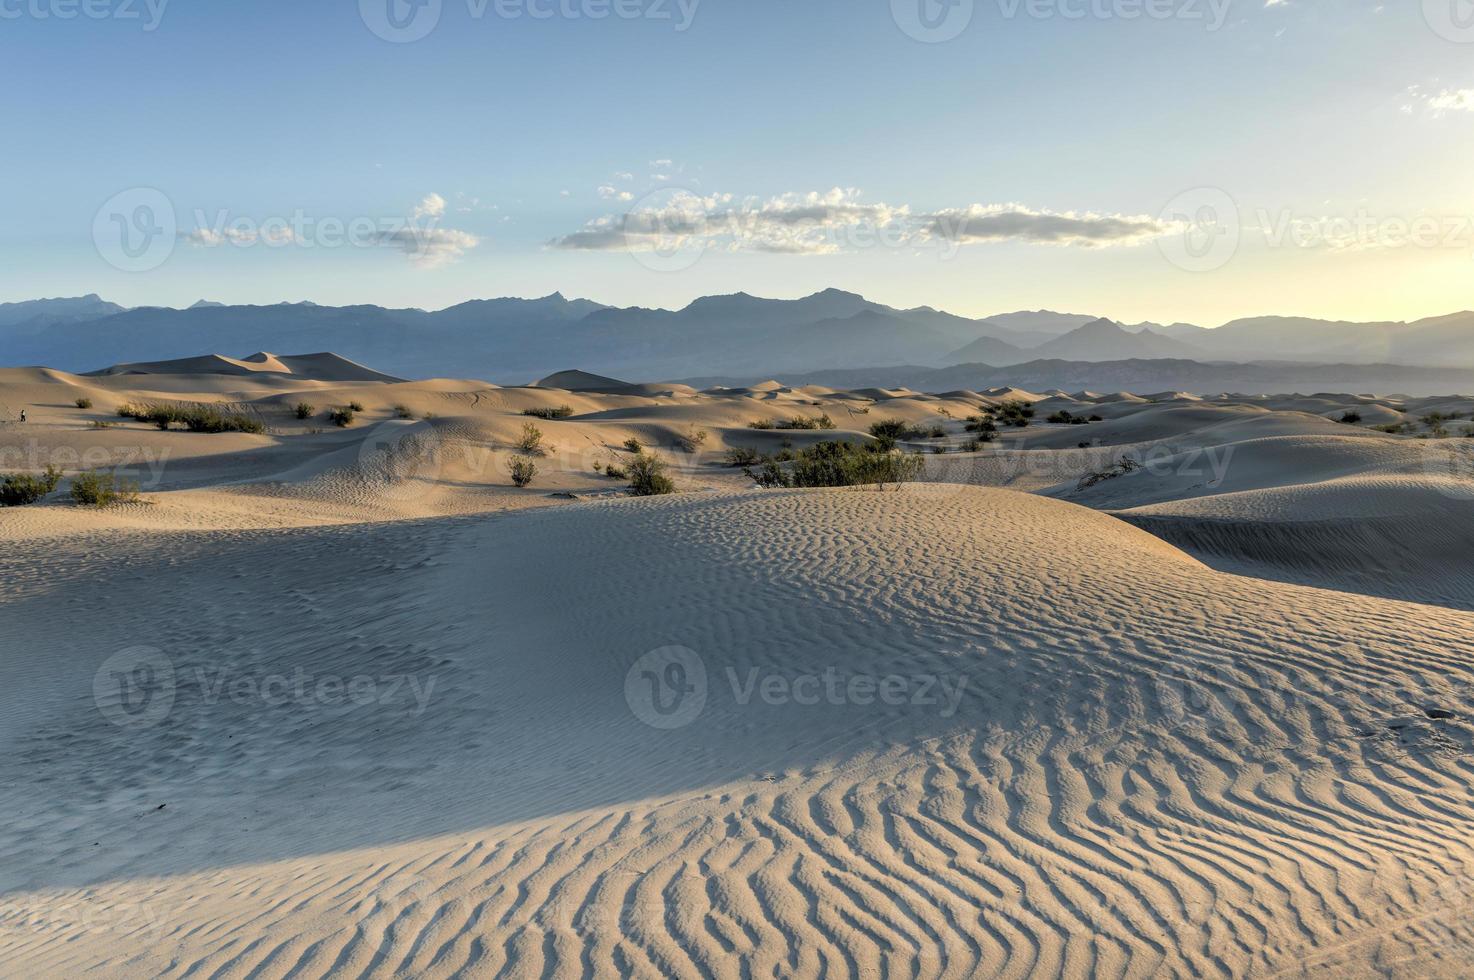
(342,699)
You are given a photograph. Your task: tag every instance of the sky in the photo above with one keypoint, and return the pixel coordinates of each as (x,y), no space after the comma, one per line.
(1158,160)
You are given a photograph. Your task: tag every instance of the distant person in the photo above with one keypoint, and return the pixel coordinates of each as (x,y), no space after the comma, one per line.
(22,415)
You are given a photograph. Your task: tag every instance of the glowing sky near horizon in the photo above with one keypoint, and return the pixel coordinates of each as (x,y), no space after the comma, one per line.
(982,156)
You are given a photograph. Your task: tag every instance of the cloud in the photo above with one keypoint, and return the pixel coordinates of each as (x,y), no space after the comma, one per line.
(1452,100)
(429,247)
(840,220)
(1014,222)
(433,206)
(614,193)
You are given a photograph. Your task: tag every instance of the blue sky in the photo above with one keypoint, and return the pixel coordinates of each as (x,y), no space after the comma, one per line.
(1035,159)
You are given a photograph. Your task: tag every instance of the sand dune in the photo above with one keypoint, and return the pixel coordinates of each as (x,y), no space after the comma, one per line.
(1207,717)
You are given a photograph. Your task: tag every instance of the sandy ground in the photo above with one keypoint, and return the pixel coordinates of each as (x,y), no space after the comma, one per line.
(343,701)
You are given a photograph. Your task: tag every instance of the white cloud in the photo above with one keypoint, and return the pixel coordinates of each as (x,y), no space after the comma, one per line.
(430,247)
(1452,100)
(1015,222)
(839,220)
(433,206)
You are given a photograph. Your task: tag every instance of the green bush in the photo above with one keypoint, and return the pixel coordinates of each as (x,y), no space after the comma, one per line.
(691,440)
(303,410)
(342,417)
(742,456)
(895,430)
(101,489)
(195,418)
(615,472)
(356,406)
(838,464)
(648,477)
(403,412)
(522,469)
(633,445)
(804,422)
(23,488)
(762,424)
(83,403)
(1015,413)
(531,441)
(1350,417)
(561,412)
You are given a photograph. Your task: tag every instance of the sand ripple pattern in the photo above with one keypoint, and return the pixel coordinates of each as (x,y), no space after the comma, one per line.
(1156,769)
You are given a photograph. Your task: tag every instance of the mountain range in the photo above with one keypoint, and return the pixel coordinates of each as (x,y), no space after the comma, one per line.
(512,340)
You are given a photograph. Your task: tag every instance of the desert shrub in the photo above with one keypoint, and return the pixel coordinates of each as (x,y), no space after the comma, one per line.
(1350,417)
(23,488)
(195,418)
(1393,428)
(303,410)
(356,406)
(561,412)
(101,489)
(691,440)
(936,432)
(742,456)
(531,441)
(1434,421)
(83,403)
(762,424)
(615,472)
(633,445)
(1063,417)
(648,477)
(428,416)
(984,426)
(1123,466)
(403,412)
(1096,418)
(342,417)
(837,464)
(894,430)
(521,469)
(99,424)
(972,446)
(805,422)
(1015,413)
(938,450)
